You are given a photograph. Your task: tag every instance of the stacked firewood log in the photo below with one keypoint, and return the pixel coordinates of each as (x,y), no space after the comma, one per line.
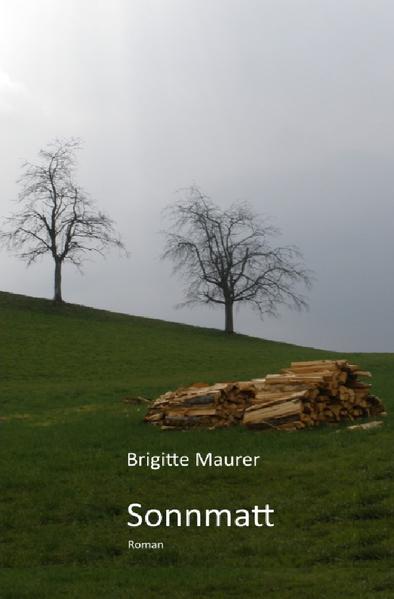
(209,406)
(303,395)
(309,393)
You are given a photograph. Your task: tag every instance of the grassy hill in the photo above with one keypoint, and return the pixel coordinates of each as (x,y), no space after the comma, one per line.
(65,486)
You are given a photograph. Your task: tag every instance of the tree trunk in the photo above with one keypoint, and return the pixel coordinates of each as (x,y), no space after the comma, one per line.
(229,318)
(58,282)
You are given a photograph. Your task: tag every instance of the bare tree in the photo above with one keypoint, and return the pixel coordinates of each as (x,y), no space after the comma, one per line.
(227,258)
(55,215)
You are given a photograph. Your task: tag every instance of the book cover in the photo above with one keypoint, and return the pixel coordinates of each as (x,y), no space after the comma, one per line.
(196,322)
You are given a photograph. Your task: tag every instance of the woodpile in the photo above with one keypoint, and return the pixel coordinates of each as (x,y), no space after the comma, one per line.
(305,394)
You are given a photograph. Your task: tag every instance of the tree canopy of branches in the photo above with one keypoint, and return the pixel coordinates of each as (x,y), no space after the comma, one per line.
(227,257)
(55,216)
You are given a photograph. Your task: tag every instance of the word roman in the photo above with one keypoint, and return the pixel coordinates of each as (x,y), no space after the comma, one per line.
(155,462)
(146,545)
(193,517)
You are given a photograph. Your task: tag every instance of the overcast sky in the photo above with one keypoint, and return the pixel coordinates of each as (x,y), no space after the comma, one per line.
(287,104)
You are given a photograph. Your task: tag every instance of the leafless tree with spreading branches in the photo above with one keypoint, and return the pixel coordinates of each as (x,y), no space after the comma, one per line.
(227,257)
(55,216)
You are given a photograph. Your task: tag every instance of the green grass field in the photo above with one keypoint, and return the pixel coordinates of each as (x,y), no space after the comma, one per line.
(65,486)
